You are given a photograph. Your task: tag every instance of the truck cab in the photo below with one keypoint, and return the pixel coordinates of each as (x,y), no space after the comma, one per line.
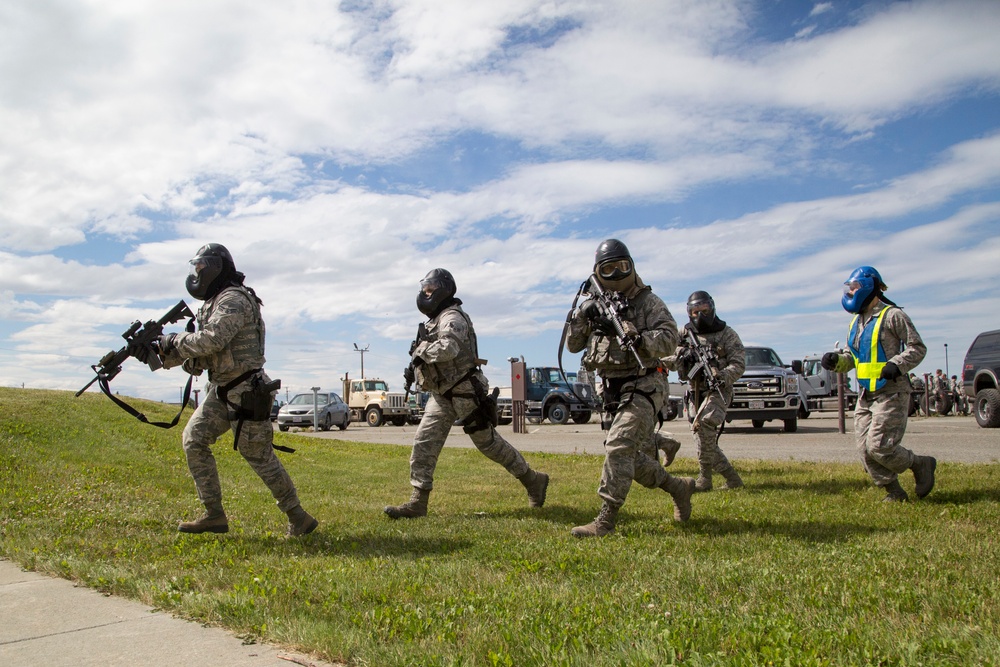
(548,396)
(767,390)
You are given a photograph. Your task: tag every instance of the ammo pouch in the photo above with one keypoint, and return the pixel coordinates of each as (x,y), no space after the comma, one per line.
(485,415)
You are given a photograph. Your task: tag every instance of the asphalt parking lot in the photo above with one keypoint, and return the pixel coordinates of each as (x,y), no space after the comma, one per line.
(956,439)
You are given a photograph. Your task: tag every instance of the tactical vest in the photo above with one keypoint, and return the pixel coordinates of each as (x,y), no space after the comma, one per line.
(441,376)
(245,351)
(869,355)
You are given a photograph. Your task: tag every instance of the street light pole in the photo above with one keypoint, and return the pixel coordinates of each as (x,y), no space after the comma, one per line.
(946,361)
(362,351)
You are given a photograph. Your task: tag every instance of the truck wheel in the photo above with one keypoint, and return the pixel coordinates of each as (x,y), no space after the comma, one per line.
(757,423)
(282,428)
(791,425)
(988,408)
(558,413)
(374,416)
(399,421)
(803,411)
(503,421)
(942,404)
(581,417)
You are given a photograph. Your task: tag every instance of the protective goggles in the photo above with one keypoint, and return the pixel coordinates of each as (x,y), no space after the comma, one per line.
(852,286)
(618,267)
(699,308)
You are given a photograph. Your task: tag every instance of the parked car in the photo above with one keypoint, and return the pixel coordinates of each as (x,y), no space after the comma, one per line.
(331,411)
(980,374)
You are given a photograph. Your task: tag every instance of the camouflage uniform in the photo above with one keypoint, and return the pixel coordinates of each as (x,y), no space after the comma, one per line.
(880,416)
(448,373)
(630,453)
(708,409)
(229,342)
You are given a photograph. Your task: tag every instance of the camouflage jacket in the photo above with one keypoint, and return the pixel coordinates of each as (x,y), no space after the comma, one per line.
(730,360)
(229,340)
(448,352)
(657,334)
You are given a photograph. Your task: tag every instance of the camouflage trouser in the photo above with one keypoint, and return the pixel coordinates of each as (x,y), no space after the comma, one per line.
(629,451)
(440,414)
(212,419)
(879,425)
(706,433)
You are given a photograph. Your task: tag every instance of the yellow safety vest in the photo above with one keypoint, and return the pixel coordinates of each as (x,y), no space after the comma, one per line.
(869,356)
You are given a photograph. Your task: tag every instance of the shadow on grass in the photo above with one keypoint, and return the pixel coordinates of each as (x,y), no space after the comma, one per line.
(817,532)
(823,486)
(362,545)
(963,497)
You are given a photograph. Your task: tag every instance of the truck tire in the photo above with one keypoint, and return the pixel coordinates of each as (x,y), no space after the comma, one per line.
(757,423)
(558,412)
(791,425)
(399,421)
(803,411)
(942,403)
(581,417)
(373,416)
(988,408)
(503,421)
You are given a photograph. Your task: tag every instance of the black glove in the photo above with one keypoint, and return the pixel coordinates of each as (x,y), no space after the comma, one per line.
(686,356)
(166,343)
(140,351)
(889,372)
(829,360)
(591,310)
(408,376)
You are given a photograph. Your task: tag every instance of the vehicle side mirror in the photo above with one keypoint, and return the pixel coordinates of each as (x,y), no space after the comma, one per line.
(797,367)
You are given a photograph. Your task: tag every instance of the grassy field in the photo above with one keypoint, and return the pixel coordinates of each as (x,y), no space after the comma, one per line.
(803,567)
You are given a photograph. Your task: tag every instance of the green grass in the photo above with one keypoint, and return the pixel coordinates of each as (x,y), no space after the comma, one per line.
(803,567)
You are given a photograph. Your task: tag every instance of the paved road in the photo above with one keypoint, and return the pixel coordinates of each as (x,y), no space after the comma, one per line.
(956,439)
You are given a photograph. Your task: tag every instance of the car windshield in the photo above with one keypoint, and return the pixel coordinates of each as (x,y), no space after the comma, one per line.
(376,385)
(762,356)
(307,399)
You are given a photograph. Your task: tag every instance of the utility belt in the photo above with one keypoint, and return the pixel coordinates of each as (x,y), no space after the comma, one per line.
(486,414)
(255,402)
(620,392)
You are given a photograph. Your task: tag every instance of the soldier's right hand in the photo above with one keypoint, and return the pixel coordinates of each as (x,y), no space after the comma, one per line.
(591,310)
(686,356)
(829,361)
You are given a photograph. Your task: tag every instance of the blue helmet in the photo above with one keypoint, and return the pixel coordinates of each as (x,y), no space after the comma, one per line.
(860,288)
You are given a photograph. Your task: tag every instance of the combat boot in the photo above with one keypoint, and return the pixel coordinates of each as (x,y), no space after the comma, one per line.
(212,521)
(300,522)
(923,473)
(680,489)
(416,507)
(537,483)
(894,493)
(669,447)
(733,479)
(703,483)
(601,526)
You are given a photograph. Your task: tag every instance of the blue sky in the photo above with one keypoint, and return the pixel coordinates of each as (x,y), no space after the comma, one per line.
(758,150)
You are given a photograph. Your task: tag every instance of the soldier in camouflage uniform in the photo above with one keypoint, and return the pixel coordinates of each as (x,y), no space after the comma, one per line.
(724,349)
(445,362)
(884,346)
(633,396)
(229,344)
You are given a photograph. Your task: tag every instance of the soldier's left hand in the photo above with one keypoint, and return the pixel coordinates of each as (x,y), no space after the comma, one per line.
(889,372)
(166,343)
(629,329)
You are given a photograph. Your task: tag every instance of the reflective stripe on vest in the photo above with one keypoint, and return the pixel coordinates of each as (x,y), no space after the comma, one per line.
(869,357)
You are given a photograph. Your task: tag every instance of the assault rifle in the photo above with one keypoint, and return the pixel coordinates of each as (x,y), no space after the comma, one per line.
(142,335)
(409,374)
(613,305)
(703,365)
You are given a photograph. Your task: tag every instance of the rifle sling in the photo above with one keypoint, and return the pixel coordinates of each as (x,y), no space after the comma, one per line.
(102,382)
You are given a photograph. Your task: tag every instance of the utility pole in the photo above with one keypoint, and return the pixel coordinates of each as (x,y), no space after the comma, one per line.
(362,351)
(946,361)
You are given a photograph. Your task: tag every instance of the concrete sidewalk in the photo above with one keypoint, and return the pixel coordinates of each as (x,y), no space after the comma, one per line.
(52,622)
